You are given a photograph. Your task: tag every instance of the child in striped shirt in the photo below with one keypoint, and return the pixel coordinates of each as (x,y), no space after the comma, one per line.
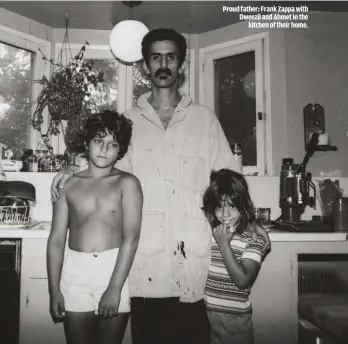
(235,258)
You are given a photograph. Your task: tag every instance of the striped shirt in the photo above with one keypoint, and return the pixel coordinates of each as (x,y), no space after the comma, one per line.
(221,294)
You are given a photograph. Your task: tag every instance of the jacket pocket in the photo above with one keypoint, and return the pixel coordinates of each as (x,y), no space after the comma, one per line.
(198,236)
(151,235)
(192,172)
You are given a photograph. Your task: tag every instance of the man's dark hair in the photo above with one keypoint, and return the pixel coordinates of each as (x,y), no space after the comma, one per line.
(158,35)
(234,186)
(109,121)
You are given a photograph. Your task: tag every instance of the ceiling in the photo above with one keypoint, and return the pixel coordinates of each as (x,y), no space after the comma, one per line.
(103,15)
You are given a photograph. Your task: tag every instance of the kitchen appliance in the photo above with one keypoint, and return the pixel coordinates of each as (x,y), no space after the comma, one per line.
(296,192)
(16,198)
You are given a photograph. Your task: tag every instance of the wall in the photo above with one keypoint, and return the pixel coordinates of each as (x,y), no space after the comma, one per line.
(25,25)
(307,66)
(316,72)
(279,132)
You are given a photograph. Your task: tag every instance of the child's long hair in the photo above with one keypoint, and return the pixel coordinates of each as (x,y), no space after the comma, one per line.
(233,185)
(118,125)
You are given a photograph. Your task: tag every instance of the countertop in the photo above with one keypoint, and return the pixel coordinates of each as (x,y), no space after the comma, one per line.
(275,235)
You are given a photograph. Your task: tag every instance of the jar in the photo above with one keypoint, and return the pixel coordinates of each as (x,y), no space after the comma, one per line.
(238,156)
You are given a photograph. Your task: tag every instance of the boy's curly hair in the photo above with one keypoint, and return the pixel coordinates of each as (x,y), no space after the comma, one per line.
(109,121)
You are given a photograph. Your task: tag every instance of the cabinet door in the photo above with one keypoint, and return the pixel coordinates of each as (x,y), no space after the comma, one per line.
(36,325)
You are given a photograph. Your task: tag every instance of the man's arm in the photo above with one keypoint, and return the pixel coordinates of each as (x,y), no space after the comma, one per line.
(132,204)
(243,273)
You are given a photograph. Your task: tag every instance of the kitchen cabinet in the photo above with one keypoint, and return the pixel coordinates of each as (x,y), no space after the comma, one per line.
(275,292)
(36,325)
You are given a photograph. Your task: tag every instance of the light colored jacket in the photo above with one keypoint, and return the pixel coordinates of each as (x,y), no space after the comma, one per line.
(173,167)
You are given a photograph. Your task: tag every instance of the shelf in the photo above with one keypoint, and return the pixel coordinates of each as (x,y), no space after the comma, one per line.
(325,148)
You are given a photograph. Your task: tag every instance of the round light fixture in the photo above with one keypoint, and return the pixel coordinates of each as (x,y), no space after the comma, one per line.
(126,37)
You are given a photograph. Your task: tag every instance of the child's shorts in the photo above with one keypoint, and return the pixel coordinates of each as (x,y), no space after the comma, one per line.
(85,277)
(230,328)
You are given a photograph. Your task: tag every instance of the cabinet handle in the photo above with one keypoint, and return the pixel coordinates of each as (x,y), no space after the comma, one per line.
(27,301)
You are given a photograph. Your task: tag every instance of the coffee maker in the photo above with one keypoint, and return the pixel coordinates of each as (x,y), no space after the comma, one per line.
(295,187)
(296,192)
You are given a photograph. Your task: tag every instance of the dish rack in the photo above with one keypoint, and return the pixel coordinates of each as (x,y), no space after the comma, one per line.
(15,215)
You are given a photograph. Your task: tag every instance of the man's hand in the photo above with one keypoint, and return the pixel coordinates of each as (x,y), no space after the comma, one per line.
(256,229)
(57,307)
(60,179)
(109,303)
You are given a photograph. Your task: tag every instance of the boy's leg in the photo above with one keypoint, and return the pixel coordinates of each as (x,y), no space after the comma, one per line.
(231,328)
(79,327)
(111,331)
(214,337)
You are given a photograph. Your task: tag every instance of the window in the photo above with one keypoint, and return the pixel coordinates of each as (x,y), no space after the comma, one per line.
(141,82)
(19,66)
(15,82)
(232,83)
(108,96)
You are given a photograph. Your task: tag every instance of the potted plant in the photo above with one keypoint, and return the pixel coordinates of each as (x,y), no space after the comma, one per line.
(66,95)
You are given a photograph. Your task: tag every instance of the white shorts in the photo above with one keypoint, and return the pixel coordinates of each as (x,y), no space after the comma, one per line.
(85,277)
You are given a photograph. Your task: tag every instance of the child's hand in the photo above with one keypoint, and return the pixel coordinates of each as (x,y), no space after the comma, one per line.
(223,234)
(109,303)
(57,307)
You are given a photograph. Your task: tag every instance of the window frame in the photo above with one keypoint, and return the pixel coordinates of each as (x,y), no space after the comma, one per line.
(206,72)
(40,68)
(125,79)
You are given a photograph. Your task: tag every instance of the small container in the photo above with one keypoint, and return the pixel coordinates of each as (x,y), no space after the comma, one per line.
(263,215)
(340,214)
(238,156)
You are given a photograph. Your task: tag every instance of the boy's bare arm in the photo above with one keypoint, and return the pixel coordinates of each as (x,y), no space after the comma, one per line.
(56,242)
(132,205)
(244,273)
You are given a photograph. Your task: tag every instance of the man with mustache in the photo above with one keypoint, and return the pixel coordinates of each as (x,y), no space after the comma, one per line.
(175,145)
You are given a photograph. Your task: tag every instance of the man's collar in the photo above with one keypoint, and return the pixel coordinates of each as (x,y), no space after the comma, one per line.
(184,102)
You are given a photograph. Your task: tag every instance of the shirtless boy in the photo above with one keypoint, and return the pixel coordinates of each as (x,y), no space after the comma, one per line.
(102,207)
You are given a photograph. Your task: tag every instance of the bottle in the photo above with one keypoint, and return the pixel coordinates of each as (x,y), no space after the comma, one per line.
(40,164)
(34,167)
(30,164)
(238,157)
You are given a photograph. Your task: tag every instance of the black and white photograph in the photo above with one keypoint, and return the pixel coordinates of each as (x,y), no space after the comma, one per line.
(173,172)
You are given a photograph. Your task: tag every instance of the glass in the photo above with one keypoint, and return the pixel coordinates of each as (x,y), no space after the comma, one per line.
(263,215)
(105,95)
(15,81)
(235,102)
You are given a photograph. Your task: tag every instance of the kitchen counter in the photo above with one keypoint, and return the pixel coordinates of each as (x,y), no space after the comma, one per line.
(275,235)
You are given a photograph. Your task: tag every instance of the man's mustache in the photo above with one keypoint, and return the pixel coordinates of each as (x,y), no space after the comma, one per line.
(163,71)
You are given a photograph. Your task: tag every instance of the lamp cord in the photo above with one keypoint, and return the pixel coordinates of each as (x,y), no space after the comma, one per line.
(189,56)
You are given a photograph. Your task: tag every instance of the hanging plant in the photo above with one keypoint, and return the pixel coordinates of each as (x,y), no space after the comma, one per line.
(66,94)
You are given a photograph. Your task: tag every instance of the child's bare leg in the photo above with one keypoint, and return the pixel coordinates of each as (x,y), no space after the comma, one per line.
(111,331)
(79,327)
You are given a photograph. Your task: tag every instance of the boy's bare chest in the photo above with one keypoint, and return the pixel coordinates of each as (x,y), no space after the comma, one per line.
(90,197)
